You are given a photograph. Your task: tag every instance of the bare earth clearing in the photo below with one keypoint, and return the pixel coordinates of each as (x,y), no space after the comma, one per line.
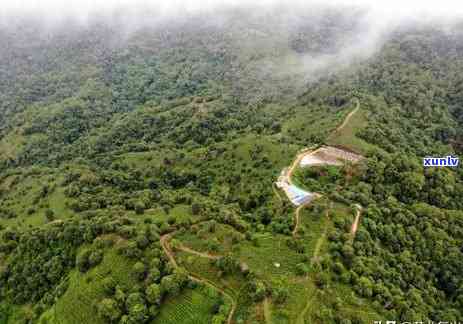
(355,225)
(325,155)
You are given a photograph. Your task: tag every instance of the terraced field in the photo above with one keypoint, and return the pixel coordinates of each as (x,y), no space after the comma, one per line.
(77,306)
(191,307)
(269,256)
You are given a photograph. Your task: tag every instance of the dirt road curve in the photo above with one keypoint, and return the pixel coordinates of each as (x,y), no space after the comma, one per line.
(165,245)
(348,117)
(297,216)
(201,254)
(355,225)
(339,154)
(267,312)
(289,176)
(296,162)
(164,240)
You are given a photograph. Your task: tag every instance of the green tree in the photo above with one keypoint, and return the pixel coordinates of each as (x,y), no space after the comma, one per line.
(139,270)
(153,294)
(49,214)
(109,309)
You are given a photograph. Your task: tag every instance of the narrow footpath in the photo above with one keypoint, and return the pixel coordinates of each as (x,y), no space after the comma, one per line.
(348,117)
(355,224)
(166,247)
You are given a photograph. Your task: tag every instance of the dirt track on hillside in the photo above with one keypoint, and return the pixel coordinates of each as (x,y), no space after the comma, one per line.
(200,254)
(293,166)
(355,224)
(324,155)
(165,246)
(267,311)
(348,117)
(164,240)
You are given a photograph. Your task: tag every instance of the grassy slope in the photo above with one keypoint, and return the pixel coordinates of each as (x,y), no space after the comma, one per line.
(85,289)
(21,194)
(78,304)
(178,212)
(346,137)
(305,299)
(307,124)
(192,306)
(316,226)
(11,144)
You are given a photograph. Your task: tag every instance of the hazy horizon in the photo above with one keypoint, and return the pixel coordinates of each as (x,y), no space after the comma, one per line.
(393,9)
(276,21)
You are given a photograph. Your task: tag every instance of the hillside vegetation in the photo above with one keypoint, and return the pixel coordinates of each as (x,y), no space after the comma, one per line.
(137,172)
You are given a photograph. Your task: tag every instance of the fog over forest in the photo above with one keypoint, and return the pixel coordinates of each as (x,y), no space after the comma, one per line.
(271,38)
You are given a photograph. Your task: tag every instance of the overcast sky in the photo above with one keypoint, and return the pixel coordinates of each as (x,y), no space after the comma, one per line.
(82,8)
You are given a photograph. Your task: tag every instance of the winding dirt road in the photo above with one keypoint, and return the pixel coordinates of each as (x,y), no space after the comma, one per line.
(300,319)
(297,161)
(291,169)
(164,240)
(267,311)
(355,224)
(165,245)
(210,256)
(297,217)
(348,117)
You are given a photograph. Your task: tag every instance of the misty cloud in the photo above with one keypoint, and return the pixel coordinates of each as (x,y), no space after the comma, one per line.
(269,44)
(82,9)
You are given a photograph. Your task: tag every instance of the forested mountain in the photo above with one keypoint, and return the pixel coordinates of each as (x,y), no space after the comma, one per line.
(138,162)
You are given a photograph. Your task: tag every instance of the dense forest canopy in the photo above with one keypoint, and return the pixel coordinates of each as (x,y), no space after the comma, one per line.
(137,153)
